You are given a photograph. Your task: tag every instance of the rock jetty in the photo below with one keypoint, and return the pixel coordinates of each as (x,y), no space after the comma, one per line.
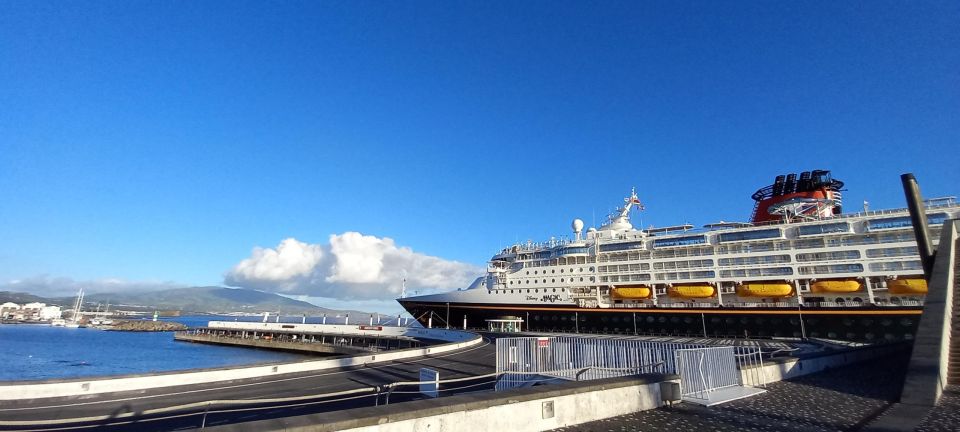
(145,326)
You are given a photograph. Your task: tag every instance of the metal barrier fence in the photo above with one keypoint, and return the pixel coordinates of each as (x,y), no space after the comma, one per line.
(533,359)
(524,361)
(703,370)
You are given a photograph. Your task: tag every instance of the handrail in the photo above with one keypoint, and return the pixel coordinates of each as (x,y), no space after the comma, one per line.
(641,367)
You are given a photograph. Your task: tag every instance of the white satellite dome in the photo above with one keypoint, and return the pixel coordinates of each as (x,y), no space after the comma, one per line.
(577,225)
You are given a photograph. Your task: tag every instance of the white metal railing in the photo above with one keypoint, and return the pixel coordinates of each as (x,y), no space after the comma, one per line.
(521,360)
(704,370)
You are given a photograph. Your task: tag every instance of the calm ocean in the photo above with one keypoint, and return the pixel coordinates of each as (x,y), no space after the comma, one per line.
(35,352)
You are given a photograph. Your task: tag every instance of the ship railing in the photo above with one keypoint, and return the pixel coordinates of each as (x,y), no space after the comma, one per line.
(779,305)
(932,203)
(833,304)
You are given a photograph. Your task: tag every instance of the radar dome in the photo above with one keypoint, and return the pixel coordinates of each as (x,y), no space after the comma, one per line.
(577,225)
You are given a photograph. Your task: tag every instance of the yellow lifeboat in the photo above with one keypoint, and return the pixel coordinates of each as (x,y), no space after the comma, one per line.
(634,292)
(836,286)
(691,291)
(765,289)
(907,286)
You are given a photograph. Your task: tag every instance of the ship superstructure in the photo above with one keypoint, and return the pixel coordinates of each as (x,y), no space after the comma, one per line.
(799,268)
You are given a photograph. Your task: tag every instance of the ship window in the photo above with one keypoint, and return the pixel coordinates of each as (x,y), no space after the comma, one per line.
(553,280)
(534,272)
(679,241)
(829,256)
(528,271)
(591,268)
(750,235)
(888,223)
(553,271)
(621,246)
(592,278)
(892,252)
(561,270)
(561,281)
(581,279)
(937,218)
(555,290)
(896,266)
(824,228)
(536,291)
(528,281)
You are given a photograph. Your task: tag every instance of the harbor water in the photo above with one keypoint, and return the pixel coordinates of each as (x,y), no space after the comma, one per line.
(39,352)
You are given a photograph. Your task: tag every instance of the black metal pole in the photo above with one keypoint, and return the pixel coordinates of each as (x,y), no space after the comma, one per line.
(918,216)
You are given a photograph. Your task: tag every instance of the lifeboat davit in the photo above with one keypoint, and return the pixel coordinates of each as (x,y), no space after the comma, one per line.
(765,289)
(836,286)
(691,291)
(907,286)
(633,292)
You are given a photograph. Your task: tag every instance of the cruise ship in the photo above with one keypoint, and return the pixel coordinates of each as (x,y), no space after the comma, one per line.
(800,268)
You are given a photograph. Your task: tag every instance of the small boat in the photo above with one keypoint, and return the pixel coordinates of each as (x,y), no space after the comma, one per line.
(692,291)
(765,289)
(907,286)
(836,286)
(634,292)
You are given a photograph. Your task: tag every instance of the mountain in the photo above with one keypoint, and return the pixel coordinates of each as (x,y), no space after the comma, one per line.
(210,299)
(23,298)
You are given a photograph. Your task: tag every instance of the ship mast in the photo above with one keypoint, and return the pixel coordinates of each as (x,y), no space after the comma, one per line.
(621,221)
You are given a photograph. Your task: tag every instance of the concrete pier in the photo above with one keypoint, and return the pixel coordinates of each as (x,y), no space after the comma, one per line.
(299,341)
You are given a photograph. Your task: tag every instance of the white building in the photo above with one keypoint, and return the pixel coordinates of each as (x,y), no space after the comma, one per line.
(50,313)
(30,311)
(8,309)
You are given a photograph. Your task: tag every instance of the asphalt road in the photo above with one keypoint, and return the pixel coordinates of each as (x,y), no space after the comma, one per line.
(54,413)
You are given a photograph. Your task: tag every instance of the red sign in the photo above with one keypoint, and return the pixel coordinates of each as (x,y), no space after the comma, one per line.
(543,342)
(367,327)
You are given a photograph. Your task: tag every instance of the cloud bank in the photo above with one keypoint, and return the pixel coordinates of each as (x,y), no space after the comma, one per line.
(48,286)
(352,266)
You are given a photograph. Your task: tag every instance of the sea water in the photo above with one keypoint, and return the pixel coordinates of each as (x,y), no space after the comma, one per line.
(38,352)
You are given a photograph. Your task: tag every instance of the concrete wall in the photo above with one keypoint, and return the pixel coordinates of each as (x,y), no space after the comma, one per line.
(927,372)
(521,410)
(528,416)
(783,369)
(78,387)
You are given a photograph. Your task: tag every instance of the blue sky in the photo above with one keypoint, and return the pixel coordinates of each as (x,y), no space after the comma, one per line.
(162,141)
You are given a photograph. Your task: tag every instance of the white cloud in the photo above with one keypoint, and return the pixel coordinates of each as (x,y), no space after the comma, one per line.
(48,286)
(287,266)
(352,266)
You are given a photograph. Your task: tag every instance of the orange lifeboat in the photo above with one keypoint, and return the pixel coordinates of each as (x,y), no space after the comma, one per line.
(836,286)
(692,291)
(631,292)
(907,286)
(765,289)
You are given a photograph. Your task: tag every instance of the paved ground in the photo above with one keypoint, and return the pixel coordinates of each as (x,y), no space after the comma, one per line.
(843,399)
(468,362)
(946,416)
